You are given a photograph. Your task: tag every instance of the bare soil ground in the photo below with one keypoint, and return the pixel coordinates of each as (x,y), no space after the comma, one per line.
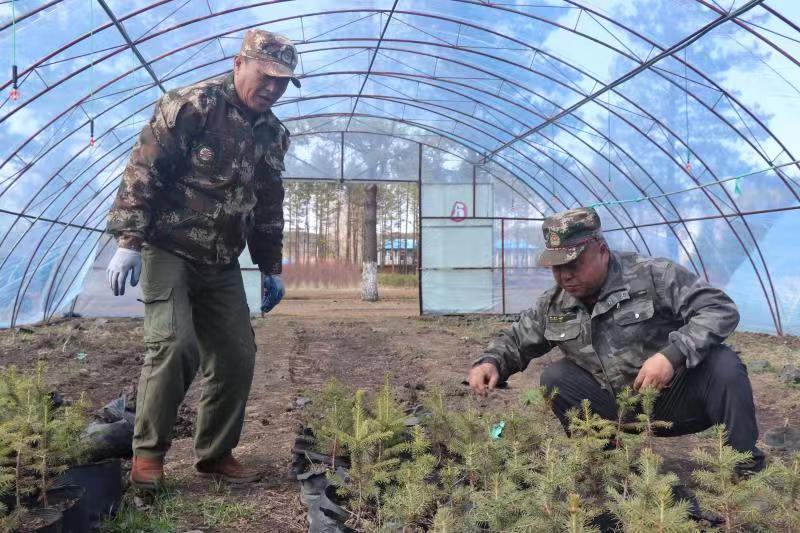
(311,337)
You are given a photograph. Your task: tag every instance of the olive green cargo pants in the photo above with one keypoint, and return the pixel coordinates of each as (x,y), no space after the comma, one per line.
(188,309)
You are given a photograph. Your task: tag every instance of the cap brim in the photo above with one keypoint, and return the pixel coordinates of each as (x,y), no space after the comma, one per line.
(277,70)
(551,257)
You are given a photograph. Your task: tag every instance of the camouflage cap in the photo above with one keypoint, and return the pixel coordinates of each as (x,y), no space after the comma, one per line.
(276,52)
(566,235)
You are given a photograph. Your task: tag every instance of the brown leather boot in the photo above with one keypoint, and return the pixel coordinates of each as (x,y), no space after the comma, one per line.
(229,470)
(147,473)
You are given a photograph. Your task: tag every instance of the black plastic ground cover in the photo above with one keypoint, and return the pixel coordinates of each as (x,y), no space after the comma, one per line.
(70,500)
(51,521)
(110,436)
(103,485)
(325,515)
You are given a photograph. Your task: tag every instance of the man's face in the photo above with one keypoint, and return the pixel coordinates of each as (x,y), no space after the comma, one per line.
(584,277)
(257,90)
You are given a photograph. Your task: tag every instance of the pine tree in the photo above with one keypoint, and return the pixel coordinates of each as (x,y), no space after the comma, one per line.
(439,423)
(591,435)
(499,505)
(579,518)
(645,423)
(43,440)
(627,400)
(552,478)
(649,505)
(362,443)
(446,521)
(18,422)
(786,494)
(389,417)
(413,497)
(6,478)
(737,501)
(623,459)
(329,415)
(469,441)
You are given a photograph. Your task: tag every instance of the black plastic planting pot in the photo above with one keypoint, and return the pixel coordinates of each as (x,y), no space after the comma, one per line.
(325,515)
(47,520)
(103,485)
(69,500)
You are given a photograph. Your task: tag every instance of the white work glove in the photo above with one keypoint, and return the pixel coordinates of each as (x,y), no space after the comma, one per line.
(124,261)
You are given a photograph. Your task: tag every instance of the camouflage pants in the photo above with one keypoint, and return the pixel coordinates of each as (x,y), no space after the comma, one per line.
(194,316)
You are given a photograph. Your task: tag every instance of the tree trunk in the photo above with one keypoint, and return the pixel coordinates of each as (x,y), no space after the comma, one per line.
(308,233)
(338,218)
(347,231)
(369,273)
(405,234)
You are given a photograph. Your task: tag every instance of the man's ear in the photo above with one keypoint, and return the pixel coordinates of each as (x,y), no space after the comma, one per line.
(237,63)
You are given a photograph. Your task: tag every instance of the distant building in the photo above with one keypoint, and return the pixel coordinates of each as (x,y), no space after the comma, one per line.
(398,252)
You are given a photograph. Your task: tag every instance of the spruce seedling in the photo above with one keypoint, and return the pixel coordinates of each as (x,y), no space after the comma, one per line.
(650,505)
(645,422)
(719,489)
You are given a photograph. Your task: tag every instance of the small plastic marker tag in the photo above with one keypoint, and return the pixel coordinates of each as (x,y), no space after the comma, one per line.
(497,430)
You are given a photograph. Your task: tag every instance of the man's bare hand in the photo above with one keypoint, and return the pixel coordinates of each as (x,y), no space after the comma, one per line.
(483,378)
(656,372)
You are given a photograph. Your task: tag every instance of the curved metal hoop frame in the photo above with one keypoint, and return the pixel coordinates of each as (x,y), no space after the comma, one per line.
(513,135)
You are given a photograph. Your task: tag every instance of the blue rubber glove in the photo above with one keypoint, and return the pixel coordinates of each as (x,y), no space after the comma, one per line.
(273,292)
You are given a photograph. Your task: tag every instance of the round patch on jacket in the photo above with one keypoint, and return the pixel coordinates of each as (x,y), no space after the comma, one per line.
(205,155)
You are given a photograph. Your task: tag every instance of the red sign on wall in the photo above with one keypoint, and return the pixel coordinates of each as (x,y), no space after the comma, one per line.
(458,212)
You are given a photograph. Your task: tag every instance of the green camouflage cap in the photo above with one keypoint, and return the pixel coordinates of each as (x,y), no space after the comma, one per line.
(276,52)
(566,235)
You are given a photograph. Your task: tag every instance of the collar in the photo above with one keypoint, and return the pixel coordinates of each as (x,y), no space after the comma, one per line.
(614,290)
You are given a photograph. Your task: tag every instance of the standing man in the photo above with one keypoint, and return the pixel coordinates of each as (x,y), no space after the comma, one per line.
(203,178)
(622,320)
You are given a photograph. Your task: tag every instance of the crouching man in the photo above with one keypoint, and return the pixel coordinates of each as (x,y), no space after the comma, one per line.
(621,320)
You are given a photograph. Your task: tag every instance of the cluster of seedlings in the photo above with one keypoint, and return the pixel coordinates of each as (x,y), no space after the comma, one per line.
(447,470)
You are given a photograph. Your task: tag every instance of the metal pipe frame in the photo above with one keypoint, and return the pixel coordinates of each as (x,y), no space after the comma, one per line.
(443,111)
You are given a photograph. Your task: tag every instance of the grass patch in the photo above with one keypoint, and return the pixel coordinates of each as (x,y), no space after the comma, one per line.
(171,510)
(156,513)
(394,279)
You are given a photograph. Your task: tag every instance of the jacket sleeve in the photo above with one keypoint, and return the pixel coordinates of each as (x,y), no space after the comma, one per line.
(265,240)
(708,314)
(514,348)
(159,153)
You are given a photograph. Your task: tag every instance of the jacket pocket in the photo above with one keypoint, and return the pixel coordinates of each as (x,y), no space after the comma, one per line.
(159,315)
(634,311)
(561,332)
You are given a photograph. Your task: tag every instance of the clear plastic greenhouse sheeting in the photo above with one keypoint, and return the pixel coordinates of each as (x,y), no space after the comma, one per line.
(95,299)
(690,157)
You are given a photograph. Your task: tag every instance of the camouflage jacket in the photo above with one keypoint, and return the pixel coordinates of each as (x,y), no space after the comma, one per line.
(203,178)
(646,306)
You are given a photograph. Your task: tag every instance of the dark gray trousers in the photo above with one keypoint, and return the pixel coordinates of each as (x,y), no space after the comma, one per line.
(717,391)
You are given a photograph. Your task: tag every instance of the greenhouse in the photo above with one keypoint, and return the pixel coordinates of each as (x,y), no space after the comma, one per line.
(430,144)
